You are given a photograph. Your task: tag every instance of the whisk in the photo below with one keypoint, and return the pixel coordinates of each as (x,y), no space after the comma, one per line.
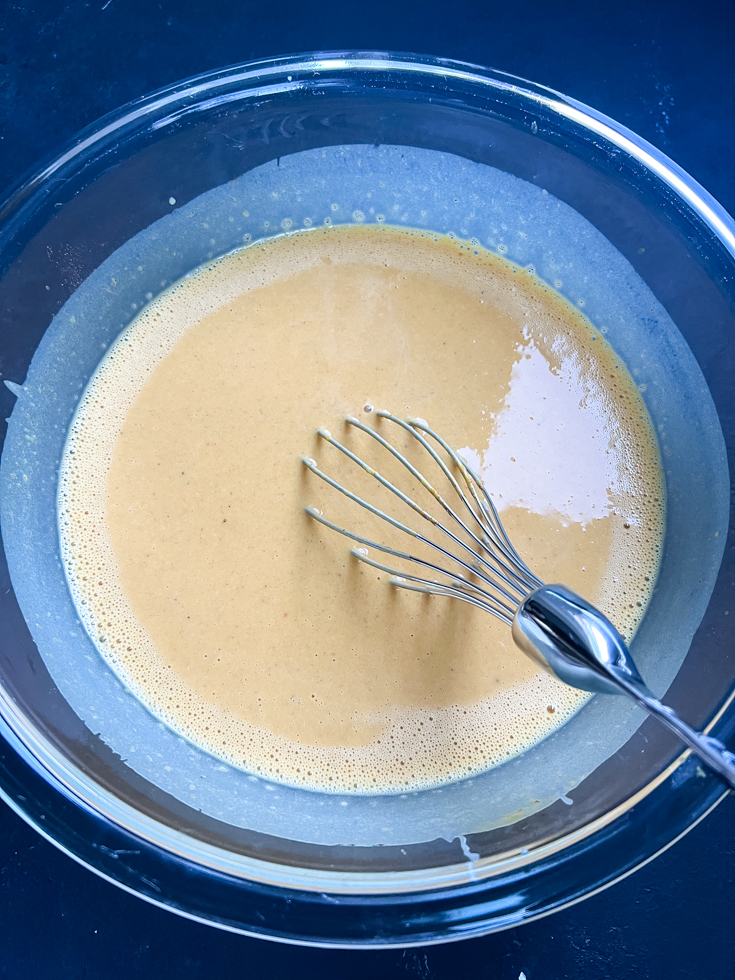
(561,631)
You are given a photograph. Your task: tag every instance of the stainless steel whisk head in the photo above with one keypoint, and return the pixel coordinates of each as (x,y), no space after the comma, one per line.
(560,630)
(484,567)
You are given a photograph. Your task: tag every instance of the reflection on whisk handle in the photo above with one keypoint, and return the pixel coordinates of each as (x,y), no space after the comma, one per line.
(710,750)
(573,640)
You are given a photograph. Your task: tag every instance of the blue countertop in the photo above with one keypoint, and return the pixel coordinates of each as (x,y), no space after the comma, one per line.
(667,71)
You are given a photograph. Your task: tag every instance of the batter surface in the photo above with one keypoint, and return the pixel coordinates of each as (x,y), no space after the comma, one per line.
(246,626)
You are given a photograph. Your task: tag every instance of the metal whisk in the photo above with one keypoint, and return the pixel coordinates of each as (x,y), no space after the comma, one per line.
(563,633)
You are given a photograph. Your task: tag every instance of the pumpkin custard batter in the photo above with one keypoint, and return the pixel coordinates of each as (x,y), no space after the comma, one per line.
(249,628)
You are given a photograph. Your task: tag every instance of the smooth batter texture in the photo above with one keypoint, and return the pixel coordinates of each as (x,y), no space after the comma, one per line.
(249,628)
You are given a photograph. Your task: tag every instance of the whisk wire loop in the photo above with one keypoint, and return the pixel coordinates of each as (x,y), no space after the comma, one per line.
(486,556)
(419,476)
(464,590)
(489,563)
(362,555)
(489,522)
(493,524)
(472,569)
(499,580)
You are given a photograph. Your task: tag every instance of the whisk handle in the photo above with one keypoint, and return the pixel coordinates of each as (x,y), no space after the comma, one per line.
(710,750)
(572,639)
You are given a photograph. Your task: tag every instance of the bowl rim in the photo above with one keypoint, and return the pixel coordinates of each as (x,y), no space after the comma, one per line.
(268,69)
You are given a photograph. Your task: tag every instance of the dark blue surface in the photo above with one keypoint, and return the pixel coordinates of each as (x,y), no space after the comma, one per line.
(665,70)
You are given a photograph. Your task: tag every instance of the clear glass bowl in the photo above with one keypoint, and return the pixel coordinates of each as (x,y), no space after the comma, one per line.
(119,177)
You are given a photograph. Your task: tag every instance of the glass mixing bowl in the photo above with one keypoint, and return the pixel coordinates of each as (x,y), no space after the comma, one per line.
(635,229)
